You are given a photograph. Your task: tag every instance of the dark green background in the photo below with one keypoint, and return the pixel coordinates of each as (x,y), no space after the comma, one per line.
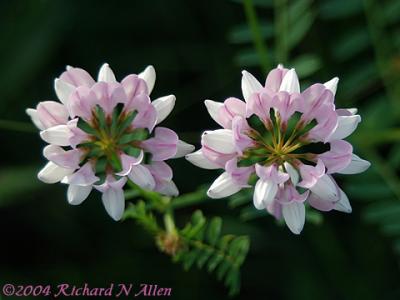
(198,49)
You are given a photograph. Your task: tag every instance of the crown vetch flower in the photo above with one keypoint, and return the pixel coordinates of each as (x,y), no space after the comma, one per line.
(289,142)
(104,133)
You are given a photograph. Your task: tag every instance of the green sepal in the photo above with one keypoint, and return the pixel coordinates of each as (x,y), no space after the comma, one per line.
(132,151)
(139,134)
(101,165)
(86,127)
(101,118)
(127,121)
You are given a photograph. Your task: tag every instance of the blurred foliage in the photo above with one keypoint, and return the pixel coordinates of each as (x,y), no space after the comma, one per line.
(198,49)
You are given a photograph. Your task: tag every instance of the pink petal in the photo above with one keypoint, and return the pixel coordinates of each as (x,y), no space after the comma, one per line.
(82,101)
(77,77)
(232,107)
(338,157)
(239,127)
(217,157)
(84,176)
(319,203)
(51,113)
(134,86)
(163,145)
(311,174)
(274,78)
(271,173)
(240,175)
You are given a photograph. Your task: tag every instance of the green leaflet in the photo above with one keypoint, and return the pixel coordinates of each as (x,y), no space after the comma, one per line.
(206,247)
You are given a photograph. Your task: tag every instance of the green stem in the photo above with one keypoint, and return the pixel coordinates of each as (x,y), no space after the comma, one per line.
(281,30)
(17,126)
(169,223)
(189,199)
(254,25)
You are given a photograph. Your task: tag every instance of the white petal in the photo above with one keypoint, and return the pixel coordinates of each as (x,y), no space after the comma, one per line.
(223,186)
(142,177)
(343,204)
(294,175)
(213,108)
(294,214)
(114,203)
(164,106)
(290,82)
(346,126)
(357,165)
(326,189)
(63,90)
(77,194)
(250,85)
(149,75)
(106,74)
(332,85)
(183,149)
(57,135)
(169,189)
(197,158)
(220,140)
(51,173)
(264,193)
(35,119)
(353,111)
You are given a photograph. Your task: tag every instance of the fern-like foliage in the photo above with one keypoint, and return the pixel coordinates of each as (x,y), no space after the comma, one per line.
(198,243)
(205,247)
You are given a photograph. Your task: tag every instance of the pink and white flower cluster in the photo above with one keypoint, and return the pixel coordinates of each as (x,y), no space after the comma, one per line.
(104,133)
(288,142)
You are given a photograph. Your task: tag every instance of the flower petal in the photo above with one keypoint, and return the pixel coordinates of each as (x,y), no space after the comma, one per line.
(183,149)
(332,85)
(346,126)
(63,90)
(326,189)
(106,74)
(343,204)
(85,176)
(114,203)
(51,113)
(167,188)
(338,157)
(52,173)
(57,135)
(163,145)
(198,159)
(141,176)
(294,214)
(77,77)
(76,194)
(35,118)
(213,108)
(164,106)
(67,159)
(293,173)
(320,203)
(250,85)
(290,82)
(149,75)
(264,193)
(220,140)
(357,165)
(223,186)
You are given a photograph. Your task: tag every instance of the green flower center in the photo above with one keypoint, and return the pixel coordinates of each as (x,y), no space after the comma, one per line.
(109,136)
(278,142)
